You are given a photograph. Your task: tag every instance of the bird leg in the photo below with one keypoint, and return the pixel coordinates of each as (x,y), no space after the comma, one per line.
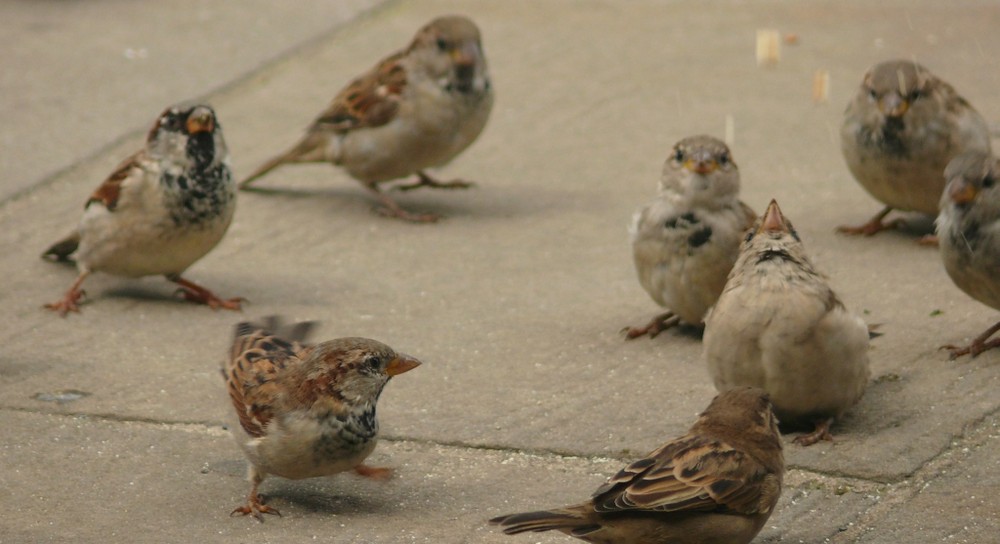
(657,325)
(69,302)
(390,208)
(255,503)
(929,240)
(977,346)
(822,432)
(874,225)
(196,293)
(427,181)
(375,473)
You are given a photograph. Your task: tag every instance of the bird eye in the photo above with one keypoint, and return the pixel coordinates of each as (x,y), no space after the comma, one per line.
(749,235)
(442,44)
(373,362)
(679,155)
(872,94)
(724,159)
(915,94)
(988,182)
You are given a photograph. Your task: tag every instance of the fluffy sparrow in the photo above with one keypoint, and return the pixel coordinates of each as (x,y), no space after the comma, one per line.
(779,326)
(417,109)
(899,132)
(686,240)
(161,209)
(717,483)
(304,411)
(969,232)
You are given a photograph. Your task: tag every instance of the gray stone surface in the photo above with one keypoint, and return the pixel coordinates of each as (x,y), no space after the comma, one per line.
(514,301)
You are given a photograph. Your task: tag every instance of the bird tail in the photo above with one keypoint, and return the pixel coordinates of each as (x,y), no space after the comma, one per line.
(312,148)
(275,325)
(61,250)
(568,520)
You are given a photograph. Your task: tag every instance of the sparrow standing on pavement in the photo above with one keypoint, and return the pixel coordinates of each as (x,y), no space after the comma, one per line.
(417,109)
(780,327)
(686,240)
(969,232)
(304,411)
(717,483)
(161,210)
(899,133)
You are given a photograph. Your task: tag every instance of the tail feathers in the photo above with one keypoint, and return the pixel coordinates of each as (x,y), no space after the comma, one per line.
(61,250)
(274,325)
(312,148)
(567,521)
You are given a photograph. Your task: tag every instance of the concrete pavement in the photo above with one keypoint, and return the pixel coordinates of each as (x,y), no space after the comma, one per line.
(528,398)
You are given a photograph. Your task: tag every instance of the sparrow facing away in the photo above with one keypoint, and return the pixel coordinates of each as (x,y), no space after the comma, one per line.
(416,109)
(899,132)
(304,411)
(969,232)
(717,483)
(779,326)
(161,209)
(686,240)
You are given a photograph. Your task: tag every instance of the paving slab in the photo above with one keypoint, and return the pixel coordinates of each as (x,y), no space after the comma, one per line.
(515,300)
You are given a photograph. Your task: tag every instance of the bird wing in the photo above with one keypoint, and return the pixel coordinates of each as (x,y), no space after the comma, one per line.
(691,473)
(256,359)
(369,101)
(108,193)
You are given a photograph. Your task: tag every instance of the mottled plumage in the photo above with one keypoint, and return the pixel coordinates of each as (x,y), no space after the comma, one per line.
(416,109)
(304,411)
(717,483)
(685,241)
(159,211)
(779,326)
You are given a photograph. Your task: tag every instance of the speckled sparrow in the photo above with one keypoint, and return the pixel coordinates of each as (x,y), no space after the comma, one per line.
(416,109)
(716,484)
(161,210)
(899,132)
(304,411)
(780,327)
(686,240)
(969,231)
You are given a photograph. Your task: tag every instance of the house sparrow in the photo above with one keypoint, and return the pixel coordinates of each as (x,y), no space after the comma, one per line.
(717,483)
(779,326)
(686,240)
(899,132)
(161,209)
(415,110)
(304,411)
(969,231)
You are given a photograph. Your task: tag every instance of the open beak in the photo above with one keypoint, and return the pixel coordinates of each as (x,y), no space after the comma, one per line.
(773,220)
(200,120)
(961,191)
(893,105)
(402,363)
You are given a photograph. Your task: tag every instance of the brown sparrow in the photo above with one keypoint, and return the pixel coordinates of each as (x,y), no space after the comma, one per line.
(416,109)
(161,209)
(686,240)
(969,232)
(899,132)
(717,483)
(779,326)
(304,411)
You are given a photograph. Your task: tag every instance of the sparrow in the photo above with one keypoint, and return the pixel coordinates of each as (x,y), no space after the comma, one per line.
(301,410)
(416,109)
(899,132)
(717,483)
(968,228)
(778,326)
(159,211)
(685,241)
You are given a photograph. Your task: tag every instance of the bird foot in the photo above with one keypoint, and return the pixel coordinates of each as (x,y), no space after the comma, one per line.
(399,213)
(69,302)
(822,432)
(255,507)
(195,293)
(427,181)
(871,228)
(977,346)
(929,240)
(376,473)
(657,325)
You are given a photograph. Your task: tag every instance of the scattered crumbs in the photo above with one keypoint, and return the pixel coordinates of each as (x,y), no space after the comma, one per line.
(935,313)
(889,377)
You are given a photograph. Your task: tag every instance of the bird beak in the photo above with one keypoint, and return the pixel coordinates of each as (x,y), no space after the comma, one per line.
(200,120)
(466,55)
(402,363)
(961,192)
(773,220)
(893,105)
(701,162)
